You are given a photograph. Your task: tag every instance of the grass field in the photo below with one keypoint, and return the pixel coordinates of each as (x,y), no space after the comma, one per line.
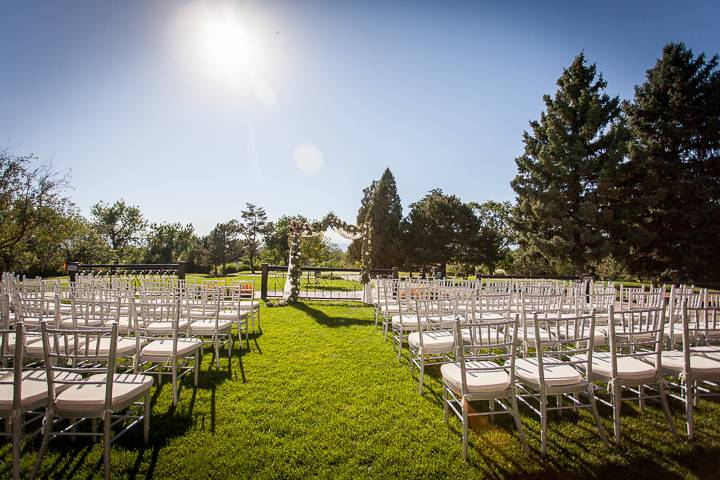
(320,394)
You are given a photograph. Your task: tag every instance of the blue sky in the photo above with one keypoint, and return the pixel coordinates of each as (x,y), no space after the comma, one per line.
(119,94)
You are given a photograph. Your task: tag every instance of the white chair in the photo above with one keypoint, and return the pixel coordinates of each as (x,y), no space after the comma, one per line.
(560,367)
(158,326)
(431,344)
(633,362)
(211,325)
(484,371)
(95,391)
(698,362)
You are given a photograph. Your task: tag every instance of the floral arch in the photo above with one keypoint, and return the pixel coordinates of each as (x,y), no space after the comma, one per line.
(300,229)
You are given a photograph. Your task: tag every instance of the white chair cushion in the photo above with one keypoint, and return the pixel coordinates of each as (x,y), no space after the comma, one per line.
(164,348)
(443,320)
(248,306)
(81,322)
(229,315)
(487,336)
(125,346)
(91,397)
(34,388)
(207,327)
(628,368)
(165,328)
(700,362)
(477,381)
(35,349)
(433,342)
(556,372)
(409,321)
(709,351)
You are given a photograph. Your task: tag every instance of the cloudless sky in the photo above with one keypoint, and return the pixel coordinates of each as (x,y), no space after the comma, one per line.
(440,92)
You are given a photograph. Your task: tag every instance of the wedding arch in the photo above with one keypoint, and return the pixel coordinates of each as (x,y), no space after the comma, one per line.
(301,228)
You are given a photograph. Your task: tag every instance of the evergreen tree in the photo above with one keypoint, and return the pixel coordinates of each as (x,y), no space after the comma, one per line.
(381,207)
(565,180)
(491,245)
(673,203)
(254,226)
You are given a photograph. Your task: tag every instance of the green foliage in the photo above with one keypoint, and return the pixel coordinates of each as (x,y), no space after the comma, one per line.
(437,229)
(380,208)
(222,245)
(122,226)
(490,246)
(31,200)
(566,175)
(253,226)
(168,242)
(672,211)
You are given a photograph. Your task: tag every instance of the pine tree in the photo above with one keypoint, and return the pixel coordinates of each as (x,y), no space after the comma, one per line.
(565,180)
(673,205)
(381,207)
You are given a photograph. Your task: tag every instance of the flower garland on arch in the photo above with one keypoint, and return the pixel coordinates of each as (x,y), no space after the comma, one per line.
(300,229)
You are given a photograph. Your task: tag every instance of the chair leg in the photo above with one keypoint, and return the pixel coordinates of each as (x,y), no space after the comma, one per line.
(197,366)
(174,381)
(689,404)
(641,391)
(491,408)
(543,423)
(518,423)
(46,431)
(596,416)
(217,350)
(400,342)
(146,418)
(422,374)
(464,406)
(17,422)
(666,409)
(107,445)
(617,406)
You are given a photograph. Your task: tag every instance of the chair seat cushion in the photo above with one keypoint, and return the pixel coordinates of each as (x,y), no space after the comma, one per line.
(230,315)
(35,349)
(700,362)
(433,342)
(485,336)
(165,328)
(34,388)
(90,397)
(628,368)
(164,348)
(556,372)
(81,322)
(125,346)
(207,327)
(443,320)
(478,381)
(409,321)
(710,351)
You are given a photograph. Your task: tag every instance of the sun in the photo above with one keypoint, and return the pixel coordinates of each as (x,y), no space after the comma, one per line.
(219,39)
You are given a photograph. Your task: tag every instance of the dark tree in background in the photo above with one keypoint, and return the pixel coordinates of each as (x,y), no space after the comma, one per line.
(565,178)
(672,221)
(253,226)
(381,208)
(168,242)
(122,226)
(438,229)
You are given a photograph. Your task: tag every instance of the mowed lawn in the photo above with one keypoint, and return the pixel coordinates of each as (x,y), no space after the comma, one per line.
(320,394)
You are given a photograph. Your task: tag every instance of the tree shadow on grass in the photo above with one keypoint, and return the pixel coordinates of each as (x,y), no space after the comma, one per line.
(324,319)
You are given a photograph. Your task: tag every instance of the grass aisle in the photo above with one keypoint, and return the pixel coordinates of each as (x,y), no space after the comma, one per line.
(319,393)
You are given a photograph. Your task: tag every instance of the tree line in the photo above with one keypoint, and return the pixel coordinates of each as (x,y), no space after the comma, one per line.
(622,189)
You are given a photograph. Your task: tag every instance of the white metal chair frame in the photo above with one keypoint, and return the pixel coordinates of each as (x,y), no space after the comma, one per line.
(82,360)
(490,347)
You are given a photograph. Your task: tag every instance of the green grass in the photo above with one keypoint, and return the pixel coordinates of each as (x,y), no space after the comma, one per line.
(320,394)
